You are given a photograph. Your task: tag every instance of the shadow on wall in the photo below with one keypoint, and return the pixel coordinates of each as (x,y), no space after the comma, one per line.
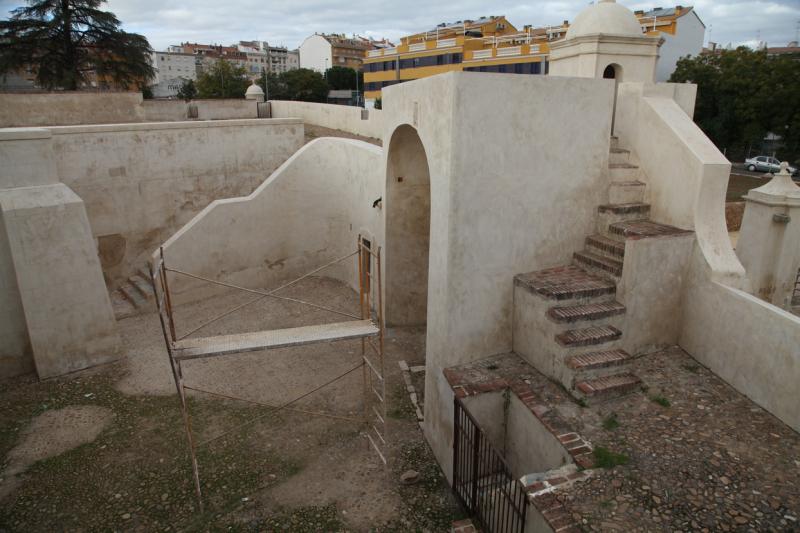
(408,221)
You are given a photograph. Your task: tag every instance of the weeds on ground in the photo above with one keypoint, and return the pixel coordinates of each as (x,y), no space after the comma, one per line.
(610,422)
(605,458)
(660,400)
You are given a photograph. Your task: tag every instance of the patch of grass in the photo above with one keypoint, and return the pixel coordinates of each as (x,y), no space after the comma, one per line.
(660,400)
(401,406)
(610,422)
(606,504)
(582,402)
(136,474)
(605,458)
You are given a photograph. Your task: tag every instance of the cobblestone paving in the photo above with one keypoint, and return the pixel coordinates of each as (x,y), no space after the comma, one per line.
(702,457)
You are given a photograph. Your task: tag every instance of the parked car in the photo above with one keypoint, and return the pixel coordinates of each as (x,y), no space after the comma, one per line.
(763,163)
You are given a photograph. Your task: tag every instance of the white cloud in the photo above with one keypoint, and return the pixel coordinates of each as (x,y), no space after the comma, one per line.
(288,22)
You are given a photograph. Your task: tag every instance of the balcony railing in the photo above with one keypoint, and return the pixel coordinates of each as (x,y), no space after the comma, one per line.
(509,51)
(445,43)
(416,47)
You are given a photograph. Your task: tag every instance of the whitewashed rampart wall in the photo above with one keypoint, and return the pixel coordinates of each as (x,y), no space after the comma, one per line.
(339,117)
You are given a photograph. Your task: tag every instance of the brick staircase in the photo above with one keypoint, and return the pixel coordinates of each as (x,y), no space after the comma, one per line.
(567,320)
(135,296)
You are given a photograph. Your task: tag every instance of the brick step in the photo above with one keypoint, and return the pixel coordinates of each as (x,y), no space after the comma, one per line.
(143,285)
(600,262)
(637,208)
(639,229)
(575,313)
(608,386)
(565,283)
(595,360)
(619,156)
(602,245)
(588,336)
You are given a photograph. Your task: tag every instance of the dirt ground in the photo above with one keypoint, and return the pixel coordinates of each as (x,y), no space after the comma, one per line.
(120,462)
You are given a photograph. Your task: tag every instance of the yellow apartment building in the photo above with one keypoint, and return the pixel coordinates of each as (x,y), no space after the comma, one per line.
(493,44)
(489,44)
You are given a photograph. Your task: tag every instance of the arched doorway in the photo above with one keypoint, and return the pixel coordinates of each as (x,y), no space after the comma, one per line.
(408,220)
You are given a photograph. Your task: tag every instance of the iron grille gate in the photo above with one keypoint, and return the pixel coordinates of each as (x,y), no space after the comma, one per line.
(482,480)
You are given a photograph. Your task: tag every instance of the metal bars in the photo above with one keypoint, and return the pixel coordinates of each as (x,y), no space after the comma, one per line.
(369,267)
(482,480)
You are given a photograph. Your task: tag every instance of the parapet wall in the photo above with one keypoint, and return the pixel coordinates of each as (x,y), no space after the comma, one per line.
(68,108)
(76,108)
(339,117)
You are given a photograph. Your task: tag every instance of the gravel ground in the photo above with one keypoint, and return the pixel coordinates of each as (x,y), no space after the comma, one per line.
(128,470)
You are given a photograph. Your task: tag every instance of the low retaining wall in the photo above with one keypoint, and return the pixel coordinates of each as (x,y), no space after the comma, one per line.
(69,108)
(317,202)
(339,117)
(76,108)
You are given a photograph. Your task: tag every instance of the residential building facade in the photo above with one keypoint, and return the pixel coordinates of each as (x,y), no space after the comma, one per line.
(323,51)
(490,44)
(683,33)
(171,70)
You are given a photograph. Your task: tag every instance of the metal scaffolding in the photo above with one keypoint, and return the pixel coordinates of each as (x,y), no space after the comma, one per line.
(367,326)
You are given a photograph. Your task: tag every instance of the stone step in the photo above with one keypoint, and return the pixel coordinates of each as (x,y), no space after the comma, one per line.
(614,142)
(133,295)
(619,156)
(626,192)
(639,229)
(623,172)
(606,246)
(588,336)
(565,283)
(600,262)
(596,360)
(608,386)
(576,313)
(122,307)
(143,285)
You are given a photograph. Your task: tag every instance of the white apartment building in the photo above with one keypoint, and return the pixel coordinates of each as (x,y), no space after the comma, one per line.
(171,69)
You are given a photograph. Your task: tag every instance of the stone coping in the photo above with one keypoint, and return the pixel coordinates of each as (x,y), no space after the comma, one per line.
(45,132)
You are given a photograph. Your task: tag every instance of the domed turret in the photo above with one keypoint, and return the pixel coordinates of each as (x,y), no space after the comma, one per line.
(254,92)
(607,17)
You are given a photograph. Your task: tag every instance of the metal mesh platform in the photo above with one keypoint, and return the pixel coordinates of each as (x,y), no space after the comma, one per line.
(276,338)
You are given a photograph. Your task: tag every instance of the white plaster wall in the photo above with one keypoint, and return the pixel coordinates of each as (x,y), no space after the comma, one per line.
(27,158)
(749,343)
(65,108)
(142,182)
(340,117)
(687,41)
(165,110)
(15,351)
(225,109)
(506,197)
(307,213)
(313,53)
(65,306)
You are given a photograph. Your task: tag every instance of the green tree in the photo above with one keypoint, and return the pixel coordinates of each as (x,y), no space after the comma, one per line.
(304,84)
(188,91)
(344,78)
(378,103)
(65,40)
(222,80)
(742,95)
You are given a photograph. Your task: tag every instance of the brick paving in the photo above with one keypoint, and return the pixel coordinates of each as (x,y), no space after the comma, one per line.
(638,229)
(701,456)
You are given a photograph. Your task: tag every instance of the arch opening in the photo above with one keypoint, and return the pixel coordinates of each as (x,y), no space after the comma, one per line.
(613,72)
(408,215)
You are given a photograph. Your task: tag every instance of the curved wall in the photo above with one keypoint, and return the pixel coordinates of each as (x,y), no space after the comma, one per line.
(307,213)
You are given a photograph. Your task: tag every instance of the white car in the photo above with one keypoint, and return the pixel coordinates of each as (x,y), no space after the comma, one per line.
(763,163)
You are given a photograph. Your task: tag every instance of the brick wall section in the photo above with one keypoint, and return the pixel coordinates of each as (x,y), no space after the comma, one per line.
(463,526)
(734,211)
(490,375)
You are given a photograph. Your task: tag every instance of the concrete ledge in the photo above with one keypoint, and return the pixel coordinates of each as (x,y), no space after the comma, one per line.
(21,134)
(155,126)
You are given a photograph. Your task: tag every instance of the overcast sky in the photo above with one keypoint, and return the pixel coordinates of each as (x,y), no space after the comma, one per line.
(288,22)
